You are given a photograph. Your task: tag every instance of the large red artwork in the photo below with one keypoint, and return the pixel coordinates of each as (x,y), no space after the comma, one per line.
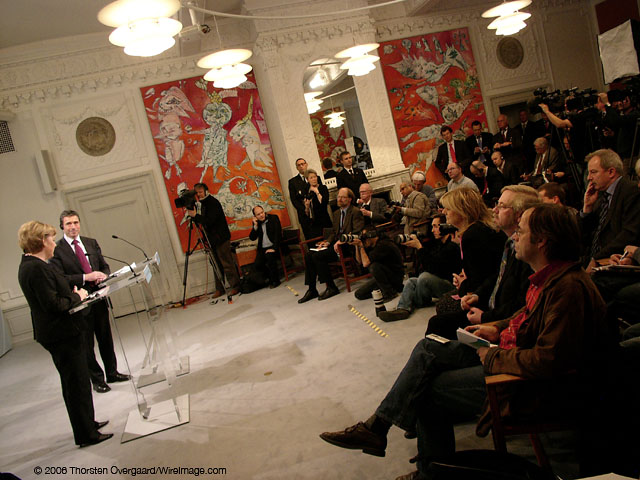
(431,81)
(219,137)
(330,141)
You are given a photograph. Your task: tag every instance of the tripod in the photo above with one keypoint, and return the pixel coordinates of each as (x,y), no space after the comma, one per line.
(203,240)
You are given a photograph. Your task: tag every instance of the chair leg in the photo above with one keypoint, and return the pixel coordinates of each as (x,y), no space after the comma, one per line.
(541,455)
(284,268)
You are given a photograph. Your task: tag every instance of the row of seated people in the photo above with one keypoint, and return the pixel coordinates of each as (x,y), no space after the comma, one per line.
(534,300)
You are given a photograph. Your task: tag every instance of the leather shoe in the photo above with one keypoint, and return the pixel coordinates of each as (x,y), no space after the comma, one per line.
(358,437)
(410,434)
(99,425)
(394,315)
(100,438)
(118,377)
(311,294)
(328,293)
(101,387)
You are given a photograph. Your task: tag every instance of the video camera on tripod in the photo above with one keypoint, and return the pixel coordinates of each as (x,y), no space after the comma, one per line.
(575,101)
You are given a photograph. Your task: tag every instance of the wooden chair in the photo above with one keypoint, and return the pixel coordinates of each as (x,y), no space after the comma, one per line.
(502,427)
(290,246)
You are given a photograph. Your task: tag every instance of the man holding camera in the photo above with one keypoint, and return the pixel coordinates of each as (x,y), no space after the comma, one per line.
(416,209)
(383,258)
(347,219)
(208,213)
(267,230)
(372,208)
(438,263)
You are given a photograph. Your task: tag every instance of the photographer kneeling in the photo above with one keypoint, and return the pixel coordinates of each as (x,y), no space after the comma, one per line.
(378,253)
(438,262)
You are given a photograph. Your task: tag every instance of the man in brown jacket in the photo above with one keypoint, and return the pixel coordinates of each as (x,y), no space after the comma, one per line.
(555,333)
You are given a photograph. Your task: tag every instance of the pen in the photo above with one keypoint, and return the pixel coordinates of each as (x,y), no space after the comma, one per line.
(624,255)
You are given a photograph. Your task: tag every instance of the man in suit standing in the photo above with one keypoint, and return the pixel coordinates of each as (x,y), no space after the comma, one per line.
(81,262)
(372,208)
(528,130)
(350,177)
(346,219)
(509,142)
(480,143)
(267,230)
(298,189)
(611,209)
(452,151)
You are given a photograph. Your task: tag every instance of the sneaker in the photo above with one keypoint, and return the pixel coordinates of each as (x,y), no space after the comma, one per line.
(394,315)
(358,437)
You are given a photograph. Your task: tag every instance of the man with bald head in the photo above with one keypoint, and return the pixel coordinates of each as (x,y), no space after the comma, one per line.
(458,180)
(416,208)
(508,171)
(509,142)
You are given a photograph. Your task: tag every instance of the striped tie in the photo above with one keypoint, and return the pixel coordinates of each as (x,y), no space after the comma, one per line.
(602,214)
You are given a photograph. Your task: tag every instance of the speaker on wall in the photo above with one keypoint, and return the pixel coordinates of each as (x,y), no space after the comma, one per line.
(46,171)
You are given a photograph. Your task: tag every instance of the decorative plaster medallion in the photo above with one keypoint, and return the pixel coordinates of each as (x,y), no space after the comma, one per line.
(510,52)
(95,136)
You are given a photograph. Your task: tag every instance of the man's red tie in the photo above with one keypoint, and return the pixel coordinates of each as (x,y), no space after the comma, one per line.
(86,268)
(452,152)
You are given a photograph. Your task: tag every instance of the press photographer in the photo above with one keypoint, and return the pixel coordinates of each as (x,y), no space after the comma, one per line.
(377,252)
(207,212)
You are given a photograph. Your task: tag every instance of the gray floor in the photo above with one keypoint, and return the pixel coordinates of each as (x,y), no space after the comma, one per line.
(267,376)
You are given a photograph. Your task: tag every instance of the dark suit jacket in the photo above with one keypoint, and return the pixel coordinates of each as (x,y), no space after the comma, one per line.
(622,223)
(353,223)
(510,173)
(50,297)
(344,180)
(487,141)
(495,182)
(463,157)
(274,232)
(551,161)
(512,152)
(214,221)
(534,130)
(67,263)
(378,208)
(298,188)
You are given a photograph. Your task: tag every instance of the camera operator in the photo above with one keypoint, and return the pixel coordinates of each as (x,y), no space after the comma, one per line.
(316,202)
(383,258)
(438,260)
(208,213)
(416,208)
(622,122)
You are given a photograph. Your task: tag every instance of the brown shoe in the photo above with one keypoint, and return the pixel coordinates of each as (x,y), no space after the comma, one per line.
(358,437)
(217,294)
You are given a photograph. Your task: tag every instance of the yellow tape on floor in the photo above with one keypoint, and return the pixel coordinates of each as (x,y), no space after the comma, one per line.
(375,328)
(292,290)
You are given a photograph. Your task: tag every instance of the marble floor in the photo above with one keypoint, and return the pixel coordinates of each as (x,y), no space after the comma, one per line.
(267,376)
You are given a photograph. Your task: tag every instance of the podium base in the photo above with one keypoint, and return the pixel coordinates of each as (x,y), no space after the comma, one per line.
(155,376)
(161,416)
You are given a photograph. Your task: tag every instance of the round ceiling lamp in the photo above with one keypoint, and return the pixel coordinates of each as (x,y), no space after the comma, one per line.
(313,103)
(335,119)
(226,67)
(516,18)
(359,61)
(506,8)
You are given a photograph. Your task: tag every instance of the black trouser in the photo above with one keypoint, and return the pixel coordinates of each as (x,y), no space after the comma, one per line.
(69,357)
(387,279)
(446,324)
(97,322)
(317,267)
(267,262)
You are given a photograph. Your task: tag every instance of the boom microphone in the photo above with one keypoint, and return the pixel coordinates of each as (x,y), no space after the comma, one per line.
(132,244)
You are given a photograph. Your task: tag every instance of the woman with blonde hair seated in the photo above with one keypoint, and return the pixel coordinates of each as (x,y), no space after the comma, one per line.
(50,298)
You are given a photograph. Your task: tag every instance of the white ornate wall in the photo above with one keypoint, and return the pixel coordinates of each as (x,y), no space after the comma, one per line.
(53,86)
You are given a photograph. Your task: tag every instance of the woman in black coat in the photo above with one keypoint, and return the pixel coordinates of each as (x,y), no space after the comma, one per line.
(50,298)
(316,204)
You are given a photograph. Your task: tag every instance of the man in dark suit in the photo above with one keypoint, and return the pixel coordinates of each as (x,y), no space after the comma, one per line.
(209,214)
(81,262)
(346,219)
(546,164)
(298,189)
(611,209)
(509,142)
(528,130)
(508,171)
(479,144)
(350,177)
(373,209)
(267,230)
(452,151)
(490,182)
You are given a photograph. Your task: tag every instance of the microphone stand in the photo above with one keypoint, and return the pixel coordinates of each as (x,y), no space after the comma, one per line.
(132,244)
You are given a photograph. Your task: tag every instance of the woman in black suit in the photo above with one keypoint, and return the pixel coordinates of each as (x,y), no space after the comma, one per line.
(50,298)
(316,204)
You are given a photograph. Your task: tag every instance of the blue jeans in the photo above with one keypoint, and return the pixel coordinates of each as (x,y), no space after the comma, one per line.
(439,385)
(417,292)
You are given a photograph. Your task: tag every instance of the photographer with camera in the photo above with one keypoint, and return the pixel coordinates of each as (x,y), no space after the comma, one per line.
(416,208)
(378,253)
(438,261)
(346,219)
(207,212)
(622,121)
(316,203)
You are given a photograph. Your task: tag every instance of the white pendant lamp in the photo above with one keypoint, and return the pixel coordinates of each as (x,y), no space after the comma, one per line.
(509,20)
(143,27)
(359,61)
(313,103)
(226,67)
(336,119)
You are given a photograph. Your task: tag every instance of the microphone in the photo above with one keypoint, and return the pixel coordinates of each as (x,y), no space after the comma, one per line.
(133,245)
(121,261)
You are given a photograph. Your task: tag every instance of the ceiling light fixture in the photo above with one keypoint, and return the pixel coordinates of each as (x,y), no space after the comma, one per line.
(143,27)
(226,67)
(359,61)
(313,103)
(509,20)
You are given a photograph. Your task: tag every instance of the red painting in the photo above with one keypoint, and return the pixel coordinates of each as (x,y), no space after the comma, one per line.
(330,141)
(219,137)
(431,81)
